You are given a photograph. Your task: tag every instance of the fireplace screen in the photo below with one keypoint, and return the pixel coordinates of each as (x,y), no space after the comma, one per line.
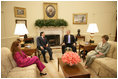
(54,40)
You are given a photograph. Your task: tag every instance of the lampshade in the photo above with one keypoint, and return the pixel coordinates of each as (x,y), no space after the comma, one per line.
(20,29)
(92,28)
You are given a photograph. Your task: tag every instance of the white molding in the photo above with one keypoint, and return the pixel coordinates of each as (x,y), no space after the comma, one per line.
(9,37)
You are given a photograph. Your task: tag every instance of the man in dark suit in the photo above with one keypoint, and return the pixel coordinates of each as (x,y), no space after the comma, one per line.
(42,44)
(69,41)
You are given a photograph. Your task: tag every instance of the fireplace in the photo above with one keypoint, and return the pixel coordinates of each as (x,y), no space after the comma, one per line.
(54,40)
(59,31)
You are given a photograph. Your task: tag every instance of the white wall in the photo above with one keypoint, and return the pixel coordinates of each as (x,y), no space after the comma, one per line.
(101,12)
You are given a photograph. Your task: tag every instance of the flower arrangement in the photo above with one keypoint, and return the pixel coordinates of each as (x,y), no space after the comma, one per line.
(71,58)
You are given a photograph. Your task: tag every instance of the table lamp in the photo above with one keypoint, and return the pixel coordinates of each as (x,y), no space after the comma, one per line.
(92,28)
(21,30)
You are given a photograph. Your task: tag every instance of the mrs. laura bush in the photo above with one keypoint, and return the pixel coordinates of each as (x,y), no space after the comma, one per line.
(100,51)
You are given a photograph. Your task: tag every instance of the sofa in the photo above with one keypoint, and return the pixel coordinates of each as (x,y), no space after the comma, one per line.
(9,68)
(106,67)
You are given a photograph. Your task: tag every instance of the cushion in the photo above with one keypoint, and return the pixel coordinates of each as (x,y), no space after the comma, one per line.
(6,65)
(109,64)
(95,67)
(25,68)
(31,73)
(12,60)
(103,73)
(115,50)
(111,50)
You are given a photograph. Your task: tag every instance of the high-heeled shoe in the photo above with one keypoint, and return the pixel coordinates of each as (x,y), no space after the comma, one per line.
(43,74)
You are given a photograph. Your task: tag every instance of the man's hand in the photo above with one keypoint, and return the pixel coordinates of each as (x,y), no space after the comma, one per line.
(100,53)
(63,44)
(46,45)
(74,44)
(41,47)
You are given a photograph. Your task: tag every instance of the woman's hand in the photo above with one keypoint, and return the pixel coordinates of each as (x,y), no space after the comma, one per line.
(100,53)
(28,56)
(97,55)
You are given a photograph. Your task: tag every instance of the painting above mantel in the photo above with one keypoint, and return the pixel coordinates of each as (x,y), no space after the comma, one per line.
(50,10)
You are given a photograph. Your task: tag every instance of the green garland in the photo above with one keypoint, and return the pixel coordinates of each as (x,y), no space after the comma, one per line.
(50,22)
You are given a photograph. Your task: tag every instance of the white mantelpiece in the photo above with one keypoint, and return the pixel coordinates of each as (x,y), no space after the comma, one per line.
(52,31)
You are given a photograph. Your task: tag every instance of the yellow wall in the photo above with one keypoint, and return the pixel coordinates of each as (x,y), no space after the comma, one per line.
(101,12)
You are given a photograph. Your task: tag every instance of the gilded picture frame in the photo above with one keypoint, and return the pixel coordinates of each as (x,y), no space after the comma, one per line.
(50,10)
(80,18)
(20,12)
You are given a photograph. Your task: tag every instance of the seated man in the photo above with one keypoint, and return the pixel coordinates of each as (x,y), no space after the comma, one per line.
(69,41)
(42,44)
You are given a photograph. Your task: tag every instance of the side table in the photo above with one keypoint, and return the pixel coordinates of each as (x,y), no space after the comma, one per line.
(87,47)
(29,50)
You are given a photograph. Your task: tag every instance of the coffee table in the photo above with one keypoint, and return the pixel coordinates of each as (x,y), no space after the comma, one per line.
(76,71)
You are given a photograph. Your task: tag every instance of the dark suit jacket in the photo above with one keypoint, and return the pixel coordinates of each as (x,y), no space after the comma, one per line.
(72,39)
(41,42)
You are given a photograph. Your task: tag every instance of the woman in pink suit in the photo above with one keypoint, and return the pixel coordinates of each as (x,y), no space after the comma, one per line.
(23,60)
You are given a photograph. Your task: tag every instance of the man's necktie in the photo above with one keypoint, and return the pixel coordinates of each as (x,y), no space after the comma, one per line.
(43,39)
(68,38)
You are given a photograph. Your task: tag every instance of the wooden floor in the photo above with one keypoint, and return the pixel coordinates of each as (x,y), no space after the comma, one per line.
(52,66)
